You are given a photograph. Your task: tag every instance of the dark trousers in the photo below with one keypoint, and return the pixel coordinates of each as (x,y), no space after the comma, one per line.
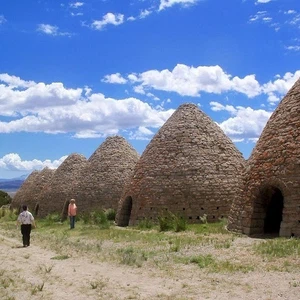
(72,222)
(26,230)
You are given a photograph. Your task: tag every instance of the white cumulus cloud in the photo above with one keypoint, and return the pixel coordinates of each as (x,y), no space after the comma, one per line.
(53,108)
(145,13)
(142,133)
(13,161)
(245,123)
(76,4)
(51,30)
(191,81)
(262,1)
(108,19)
(169,3)
(280,86)
(295,48)
(114,78)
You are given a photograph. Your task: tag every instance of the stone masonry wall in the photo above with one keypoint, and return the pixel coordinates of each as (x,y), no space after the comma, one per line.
(275,162)
(108,170)
(190,167)
(32,188)
(62,185)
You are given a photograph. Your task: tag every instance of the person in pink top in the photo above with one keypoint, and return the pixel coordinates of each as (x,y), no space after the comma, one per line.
(72,211)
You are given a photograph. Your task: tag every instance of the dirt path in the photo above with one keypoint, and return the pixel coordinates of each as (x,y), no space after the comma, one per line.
(32,273)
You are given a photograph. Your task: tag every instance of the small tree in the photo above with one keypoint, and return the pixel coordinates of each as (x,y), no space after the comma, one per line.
(4,198)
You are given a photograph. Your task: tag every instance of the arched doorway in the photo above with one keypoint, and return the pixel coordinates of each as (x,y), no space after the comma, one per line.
(64,214)
(267,211)
(274,209)
(125,212)
(36,210)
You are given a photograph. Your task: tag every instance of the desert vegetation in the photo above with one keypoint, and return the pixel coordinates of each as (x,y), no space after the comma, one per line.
(189,257)
(5,198)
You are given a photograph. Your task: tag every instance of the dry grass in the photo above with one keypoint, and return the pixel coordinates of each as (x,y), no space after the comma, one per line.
(175,264)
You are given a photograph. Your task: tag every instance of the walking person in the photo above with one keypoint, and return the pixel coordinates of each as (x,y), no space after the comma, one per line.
(26,220)
(72,211)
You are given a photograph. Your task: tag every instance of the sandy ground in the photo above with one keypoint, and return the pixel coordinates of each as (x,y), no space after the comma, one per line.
(32,273)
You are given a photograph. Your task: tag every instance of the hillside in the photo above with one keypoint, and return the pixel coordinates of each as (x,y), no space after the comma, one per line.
(11,185)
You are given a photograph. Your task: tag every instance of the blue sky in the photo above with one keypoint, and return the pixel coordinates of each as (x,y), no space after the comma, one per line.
(73,73)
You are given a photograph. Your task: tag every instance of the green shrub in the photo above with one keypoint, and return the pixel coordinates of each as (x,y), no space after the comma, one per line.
(203,261)
(165,221)
(219,266)
(208,228)
(175,245)
(4,198)
(110,214)
(169,221)
(2,212)
(145,224)
(180,223)
(99,218)
(131,257)
(280,247)
(52,218)
(60,257)
(85,217)
(7,214)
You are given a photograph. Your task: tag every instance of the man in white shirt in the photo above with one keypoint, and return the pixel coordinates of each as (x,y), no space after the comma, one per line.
(26,220)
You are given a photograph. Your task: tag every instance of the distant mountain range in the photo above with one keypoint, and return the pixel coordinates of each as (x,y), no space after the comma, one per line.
(12,184)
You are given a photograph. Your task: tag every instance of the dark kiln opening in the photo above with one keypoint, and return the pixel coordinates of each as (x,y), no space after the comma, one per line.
(125,212)
(36,210)
(64,214)
(267,213)
(274,209)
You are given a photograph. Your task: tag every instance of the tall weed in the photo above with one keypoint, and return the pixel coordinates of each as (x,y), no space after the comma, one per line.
(165,221)
(131,257)
(180,223)
(110,214)
(7,214)
(219,266)
(51,219)
(171,222)
(98,218)
(145,224)
(279,247)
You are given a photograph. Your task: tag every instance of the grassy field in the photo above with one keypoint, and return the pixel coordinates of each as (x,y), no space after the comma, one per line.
(147,243)
(206,248)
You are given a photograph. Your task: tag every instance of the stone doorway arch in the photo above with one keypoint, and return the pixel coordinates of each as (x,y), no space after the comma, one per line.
(64,214)
(36,210)
(125,212)
(268,210)
(274,210)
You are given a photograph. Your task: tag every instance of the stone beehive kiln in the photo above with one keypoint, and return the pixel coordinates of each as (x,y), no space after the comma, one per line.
(108,170)
(190,167)
(62,186)
(23,194)
(270,202)
(30,191)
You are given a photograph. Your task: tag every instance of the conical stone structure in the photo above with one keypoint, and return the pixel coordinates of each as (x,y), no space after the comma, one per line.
(30,191)
(270,202)
(109,168)
(62,186)
(190,168)
(24,192)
